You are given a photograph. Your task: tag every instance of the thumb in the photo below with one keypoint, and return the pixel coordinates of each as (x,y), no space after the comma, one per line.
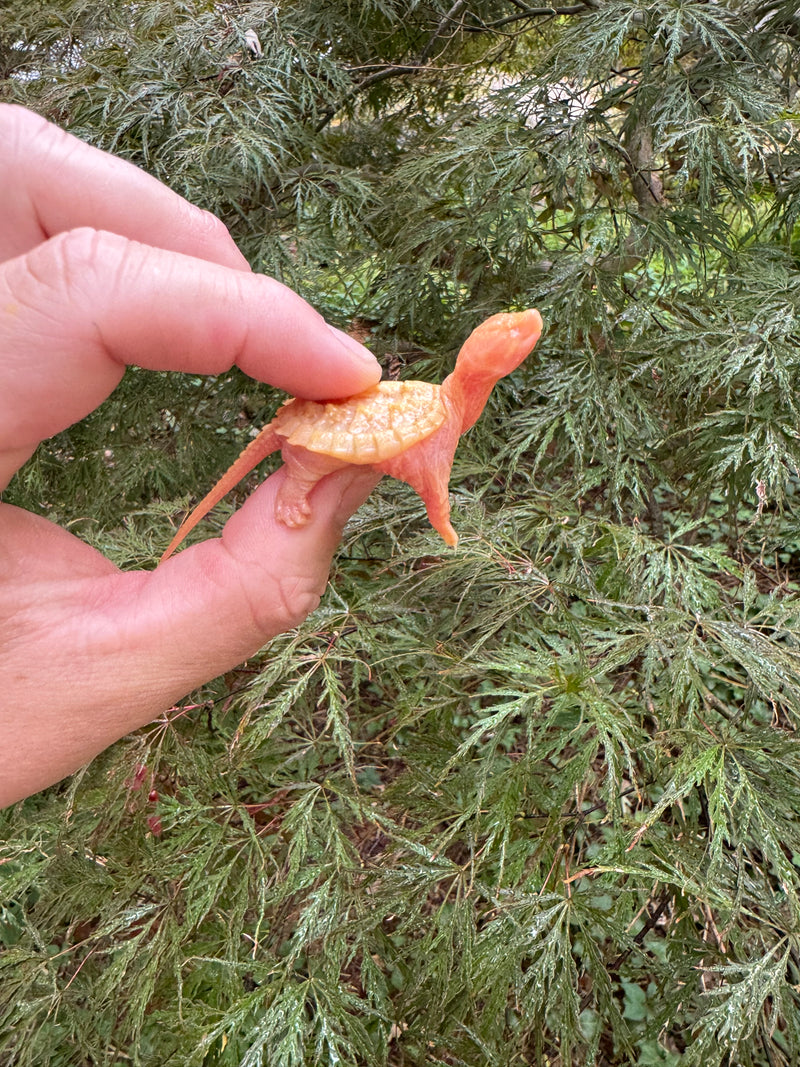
(122,648)
(218,602)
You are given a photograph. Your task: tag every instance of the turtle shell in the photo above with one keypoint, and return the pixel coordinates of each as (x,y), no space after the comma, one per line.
(371,427)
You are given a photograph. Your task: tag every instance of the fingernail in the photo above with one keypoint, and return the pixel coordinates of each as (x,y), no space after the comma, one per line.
(355,348)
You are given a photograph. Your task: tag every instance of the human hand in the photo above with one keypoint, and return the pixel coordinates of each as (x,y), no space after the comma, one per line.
(102,266)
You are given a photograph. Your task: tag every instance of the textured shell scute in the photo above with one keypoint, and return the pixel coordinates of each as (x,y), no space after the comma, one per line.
(369,428)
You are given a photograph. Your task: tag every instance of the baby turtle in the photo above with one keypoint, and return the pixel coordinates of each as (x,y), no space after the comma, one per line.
(409,430)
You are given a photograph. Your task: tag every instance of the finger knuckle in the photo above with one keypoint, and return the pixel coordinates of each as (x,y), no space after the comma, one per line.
(17,121)
(210,226)
(293,598)
(71,260)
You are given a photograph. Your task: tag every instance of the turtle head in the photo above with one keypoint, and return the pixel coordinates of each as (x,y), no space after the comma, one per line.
(500,344)
(491,351)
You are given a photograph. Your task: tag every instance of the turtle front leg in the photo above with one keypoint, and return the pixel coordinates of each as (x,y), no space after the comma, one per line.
(426,468)
(303,470)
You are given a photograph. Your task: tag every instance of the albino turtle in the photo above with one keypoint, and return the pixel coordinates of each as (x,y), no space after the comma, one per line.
(406,429)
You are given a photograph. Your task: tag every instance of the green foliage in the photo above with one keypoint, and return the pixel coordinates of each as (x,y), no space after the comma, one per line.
(535,801)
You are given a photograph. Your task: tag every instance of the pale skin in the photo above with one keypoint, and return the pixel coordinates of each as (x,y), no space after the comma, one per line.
(101,266)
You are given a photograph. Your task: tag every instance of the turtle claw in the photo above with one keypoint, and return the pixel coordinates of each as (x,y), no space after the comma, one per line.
(292,509)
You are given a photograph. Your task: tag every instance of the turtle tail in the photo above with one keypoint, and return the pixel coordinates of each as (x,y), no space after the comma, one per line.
(259,448)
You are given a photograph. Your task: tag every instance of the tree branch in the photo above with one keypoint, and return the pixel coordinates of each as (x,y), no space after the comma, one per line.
(455,10)
(533,13)
(421,62)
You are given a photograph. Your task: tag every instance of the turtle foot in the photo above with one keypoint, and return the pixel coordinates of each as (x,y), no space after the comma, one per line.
(293,511)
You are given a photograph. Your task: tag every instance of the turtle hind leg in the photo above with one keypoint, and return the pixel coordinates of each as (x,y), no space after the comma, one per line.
(303,470)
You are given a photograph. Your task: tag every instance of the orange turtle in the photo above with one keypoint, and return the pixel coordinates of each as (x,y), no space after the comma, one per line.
(409,430)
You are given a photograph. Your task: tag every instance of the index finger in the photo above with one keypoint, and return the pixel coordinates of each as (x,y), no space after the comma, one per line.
(53,182)
(78,308)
